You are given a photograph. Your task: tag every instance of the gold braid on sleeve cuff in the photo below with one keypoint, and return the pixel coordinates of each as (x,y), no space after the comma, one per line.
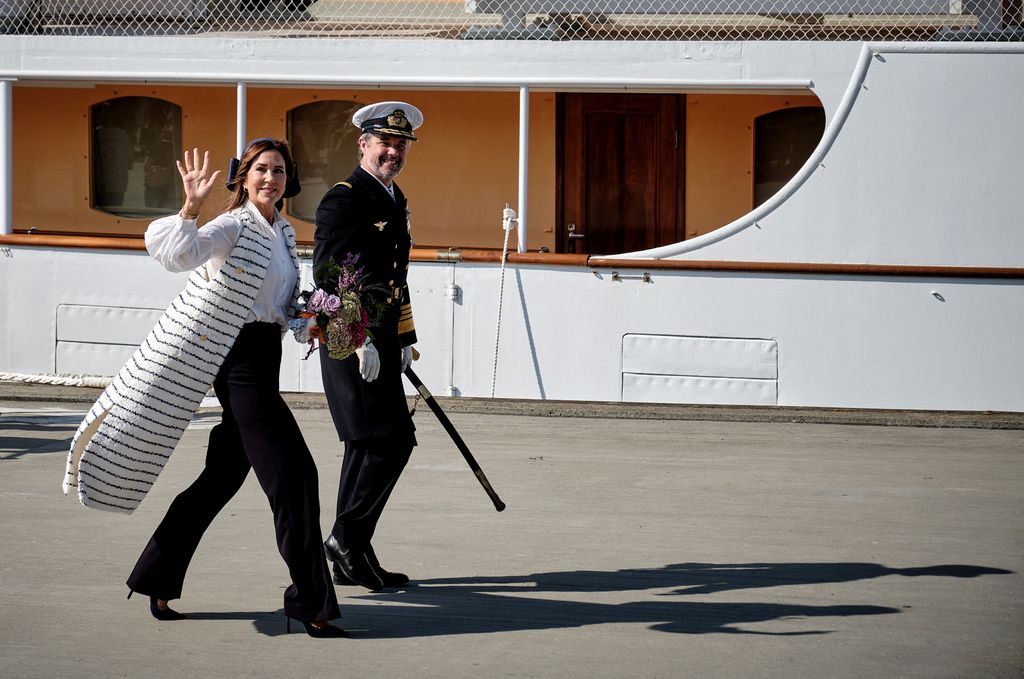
(405,324)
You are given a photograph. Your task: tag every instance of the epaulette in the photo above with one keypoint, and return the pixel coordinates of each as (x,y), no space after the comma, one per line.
(344,184)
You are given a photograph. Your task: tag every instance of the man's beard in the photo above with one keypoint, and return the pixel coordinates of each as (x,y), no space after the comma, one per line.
(388,170)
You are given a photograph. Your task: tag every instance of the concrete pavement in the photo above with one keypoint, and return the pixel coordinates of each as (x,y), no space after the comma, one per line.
(630,548)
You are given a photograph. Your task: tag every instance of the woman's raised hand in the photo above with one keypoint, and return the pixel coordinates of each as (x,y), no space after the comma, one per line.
(197,181)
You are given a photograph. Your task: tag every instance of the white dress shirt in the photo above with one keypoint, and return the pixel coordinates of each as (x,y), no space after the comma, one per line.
(390,188)
(180,246)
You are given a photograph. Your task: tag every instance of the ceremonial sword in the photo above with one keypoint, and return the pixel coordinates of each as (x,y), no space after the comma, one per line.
(450,428)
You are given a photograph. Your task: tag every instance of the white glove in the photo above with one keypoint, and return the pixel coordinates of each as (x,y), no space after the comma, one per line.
(406,357)
(369,361)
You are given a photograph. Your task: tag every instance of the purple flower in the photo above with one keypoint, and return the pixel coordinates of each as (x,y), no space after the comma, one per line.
(316,301)
(331,304)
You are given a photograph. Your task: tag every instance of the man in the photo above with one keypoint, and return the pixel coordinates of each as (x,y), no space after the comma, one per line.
(366,215)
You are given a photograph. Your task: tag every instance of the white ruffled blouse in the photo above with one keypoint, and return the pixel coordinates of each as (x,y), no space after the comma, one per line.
(179,245)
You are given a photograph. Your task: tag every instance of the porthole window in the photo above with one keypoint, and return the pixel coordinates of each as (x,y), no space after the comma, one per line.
(135,143)
(783,141)
(324,143)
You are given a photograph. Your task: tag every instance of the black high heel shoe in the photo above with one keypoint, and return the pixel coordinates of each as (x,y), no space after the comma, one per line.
(164,613)
(160,613)
(328,631)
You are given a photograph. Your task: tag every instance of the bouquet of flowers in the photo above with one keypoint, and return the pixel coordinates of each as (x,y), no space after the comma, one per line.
(340,313)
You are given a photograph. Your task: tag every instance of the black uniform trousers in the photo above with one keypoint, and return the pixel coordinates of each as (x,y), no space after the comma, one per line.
(369,473)
(258,431)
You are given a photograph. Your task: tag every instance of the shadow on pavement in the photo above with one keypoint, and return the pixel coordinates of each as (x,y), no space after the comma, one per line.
(478,605)
(707,578)
(15,447)
(20,434)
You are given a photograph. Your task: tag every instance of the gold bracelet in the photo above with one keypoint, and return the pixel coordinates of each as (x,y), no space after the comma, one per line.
(190,218)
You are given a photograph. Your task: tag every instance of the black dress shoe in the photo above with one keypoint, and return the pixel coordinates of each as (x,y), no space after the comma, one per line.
(353,565)
(339,576)
(389,578)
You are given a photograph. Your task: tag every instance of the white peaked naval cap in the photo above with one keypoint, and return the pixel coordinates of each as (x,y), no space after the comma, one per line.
(389,117)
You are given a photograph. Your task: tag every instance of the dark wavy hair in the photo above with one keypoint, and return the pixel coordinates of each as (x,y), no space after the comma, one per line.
(237,169)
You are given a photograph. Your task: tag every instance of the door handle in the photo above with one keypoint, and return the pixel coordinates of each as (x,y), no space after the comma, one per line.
(572,238)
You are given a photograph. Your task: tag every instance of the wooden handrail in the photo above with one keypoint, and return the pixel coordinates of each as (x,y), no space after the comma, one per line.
(479,255)
(595,262)
(926,271)
(88,242)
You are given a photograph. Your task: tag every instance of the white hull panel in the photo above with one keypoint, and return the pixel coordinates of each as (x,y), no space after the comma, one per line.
(841,341)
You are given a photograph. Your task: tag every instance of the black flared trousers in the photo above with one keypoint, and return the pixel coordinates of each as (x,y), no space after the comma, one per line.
(256,431)
(369,472)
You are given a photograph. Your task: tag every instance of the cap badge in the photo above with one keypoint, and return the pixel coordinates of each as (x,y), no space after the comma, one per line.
(397,119)
(380,225)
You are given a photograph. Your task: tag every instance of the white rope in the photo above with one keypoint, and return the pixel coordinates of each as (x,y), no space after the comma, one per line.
(62,380)
(508,221)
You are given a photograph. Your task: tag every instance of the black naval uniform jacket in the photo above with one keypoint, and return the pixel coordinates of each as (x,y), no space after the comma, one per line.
(358,216)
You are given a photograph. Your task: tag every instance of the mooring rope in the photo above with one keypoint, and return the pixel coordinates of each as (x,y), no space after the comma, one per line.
(60,380)
(508,222)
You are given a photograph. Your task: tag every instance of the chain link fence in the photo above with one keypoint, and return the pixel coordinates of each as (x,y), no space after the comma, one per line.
(525,19)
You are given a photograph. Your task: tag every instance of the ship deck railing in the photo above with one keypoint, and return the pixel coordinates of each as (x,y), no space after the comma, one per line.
(968,20)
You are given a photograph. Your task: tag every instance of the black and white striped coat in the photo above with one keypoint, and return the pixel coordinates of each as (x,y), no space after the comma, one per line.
(130,432)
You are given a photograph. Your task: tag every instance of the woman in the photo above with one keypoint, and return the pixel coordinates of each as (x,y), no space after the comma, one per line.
(225,327)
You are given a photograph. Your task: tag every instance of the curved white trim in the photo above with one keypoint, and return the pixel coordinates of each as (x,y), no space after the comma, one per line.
(868,50)
(749,219)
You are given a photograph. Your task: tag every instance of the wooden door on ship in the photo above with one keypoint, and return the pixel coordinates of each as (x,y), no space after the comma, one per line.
(620,172)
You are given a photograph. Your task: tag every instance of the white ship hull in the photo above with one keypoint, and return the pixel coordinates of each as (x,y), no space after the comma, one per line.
(912,198)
